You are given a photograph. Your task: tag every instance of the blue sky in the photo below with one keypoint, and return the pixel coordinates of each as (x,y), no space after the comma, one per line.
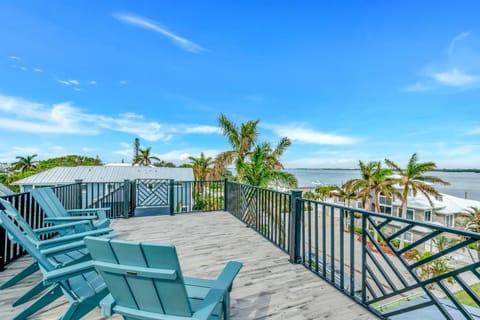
(345,81)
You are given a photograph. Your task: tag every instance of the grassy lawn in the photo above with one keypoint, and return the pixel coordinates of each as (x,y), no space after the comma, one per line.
(464,298)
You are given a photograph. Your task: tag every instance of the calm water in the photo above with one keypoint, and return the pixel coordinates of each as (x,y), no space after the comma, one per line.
(460,182)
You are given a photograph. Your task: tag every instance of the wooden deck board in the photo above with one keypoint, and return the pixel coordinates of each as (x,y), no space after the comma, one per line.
(267,287)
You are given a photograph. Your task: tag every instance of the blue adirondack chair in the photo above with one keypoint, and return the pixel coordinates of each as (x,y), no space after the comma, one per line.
(62,250)
(56,212)
(79,283)
(146,282)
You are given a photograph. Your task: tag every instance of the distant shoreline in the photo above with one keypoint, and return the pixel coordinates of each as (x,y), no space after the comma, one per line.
(349,169)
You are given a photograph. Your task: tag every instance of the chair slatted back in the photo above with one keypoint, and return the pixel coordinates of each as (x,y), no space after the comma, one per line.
(49,202)
(140,276)
(13,213)
(21,238)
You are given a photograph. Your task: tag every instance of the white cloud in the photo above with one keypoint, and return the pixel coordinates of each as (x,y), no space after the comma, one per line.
(181,156)
(474,131)
(17,114)
(93,82)
(147,24)
(455,39)
(123,82)
(25,150)
(89,150)
(38,70)
(24,68)
(417,87)
(455,78)
(69,82)
(15,58)
(304,135)
(197,129)
(322,162)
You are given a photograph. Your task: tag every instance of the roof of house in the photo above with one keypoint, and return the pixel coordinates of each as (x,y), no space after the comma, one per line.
(89,174)
(447,205)
(5,191)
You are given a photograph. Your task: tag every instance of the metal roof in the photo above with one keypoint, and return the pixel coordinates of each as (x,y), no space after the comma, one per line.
(5,191)
(64,175)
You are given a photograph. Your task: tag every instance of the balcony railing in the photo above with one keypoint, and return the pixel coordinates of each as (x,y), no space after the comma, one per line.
(391,266)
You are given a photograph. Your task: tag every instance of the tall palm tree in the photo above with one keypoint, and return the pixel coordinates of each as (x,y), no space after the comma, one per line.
(471,222)
(144,158)
(200,166)
(241,140)
(413,179)
(383,184)
(24,164)
(365,183)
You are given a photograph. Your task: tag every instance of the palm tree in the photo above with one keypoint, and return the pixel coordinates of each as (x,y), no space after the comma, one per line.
(260,169)
(144,158)
(471,222)
(24,164)
(241,140)
(413,178)
(363,185)
(200,166)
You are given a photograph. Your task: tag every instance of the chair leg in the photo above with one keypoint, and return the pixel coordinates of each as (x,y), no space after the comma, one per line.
(77,310)
(39,287)
(19,276)
(226,306)
(47,298)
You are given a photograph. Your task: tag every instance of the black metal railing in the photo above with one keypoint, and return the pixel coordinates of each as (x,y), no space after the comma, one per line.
(388,264)
(266,211)
(194,196)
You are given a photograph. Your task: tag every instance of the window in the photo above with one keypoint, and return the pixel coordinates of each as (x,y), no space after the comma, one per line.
(385,205)
(399,212)
(359,205)
(449,221)
(427,216)
(410,214)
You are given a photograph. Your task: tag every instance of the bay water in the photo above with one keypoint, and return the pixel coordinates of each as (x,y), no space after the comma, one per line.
(462,184)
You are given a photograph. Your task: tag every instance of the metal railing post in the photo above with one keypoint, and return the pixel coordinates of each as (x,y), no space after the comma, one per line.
(79,202)
(225,194)
(171,196)
(126,198)
(295,226)
(3,238)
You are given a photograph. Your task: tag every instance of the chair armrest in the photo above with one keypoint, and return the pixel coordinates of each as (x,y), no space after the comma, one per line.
(76,245)
(66,273)
(72,237)
(213,298)
(225,279)
(68,219)
(100,212)
(107,305)
(61,227)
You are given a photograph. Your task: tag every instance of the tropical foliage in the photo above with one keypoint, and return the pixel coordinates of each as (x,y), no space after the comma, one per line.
(25,167)
(414,179)
(255,164)
(374,179)
(144,157)
(471,222)
(24,164)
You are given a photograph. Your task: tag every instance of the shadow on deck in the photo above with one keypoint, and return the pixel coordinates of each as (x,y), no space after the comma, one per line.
(268,286)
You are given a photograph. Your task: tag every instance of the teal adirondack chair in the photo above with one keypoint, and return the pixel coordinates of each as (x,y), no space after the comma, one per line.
(61,250)
(146,282)
(79,283)
(56,212)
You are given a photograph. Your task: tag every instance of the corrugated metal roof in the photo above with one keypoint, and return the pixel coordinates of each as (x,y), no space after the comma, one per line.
(64,175)
(5,191)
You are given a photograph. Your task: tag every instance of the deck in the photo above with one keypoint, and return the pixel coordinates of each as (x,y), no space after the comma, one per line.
(268,286)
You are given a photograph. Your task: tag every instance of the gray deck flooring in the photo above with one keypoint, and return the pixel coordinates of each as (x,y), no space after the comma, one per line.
(268,286)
